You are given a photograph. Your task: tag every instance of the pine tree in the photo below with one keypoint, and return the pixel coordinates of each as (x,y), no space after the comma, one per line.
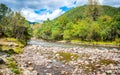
(93,10)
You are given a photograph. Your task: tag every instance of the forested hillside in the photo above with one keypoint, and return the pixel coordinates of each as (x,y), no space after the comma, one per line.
(85,23)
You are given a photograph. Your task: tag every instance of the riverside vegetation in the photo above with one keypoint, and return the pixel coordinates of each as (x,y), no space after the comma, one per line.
(91,23)
(14,33)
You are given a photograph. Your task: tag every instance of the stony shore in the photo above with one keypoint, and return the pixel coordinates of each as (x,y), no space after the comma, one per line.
(39,60)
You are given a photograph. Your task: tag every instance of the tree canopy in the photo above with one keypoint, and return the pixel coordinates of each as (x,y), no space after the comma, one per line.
(13,24)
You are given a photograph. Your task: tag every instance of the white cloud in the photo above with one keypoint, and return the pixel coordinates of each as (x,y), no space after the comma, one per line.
(32,16)
(28,7)
(51,4)
(101,1)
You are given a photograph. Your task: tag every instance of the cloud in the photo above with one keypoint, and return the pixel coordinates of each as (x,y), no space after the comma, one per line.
(38,4)
(40,10)
(115,3)
(32,16)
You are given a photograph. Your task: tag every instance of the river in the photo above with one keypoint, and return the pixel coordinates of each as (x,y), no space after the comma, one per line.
(67,45)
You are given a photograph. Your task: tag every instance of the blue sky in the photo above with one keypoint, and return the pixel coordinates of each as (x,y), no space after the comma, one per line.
(40,10)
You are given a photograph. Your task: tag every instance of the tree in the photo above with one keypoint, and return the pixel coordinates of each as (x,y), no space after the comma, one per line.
(5,12)
(68,32)
(94,32)
(115,27)
(13,24)
(93,10)
(105,27)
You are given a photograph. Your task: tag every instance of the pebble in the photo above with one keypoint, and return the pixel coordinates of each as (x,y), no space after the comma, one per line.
(103,74)
(48,73)
(26,72)
(48,58)
(48,67)
(30,68)
(109,71)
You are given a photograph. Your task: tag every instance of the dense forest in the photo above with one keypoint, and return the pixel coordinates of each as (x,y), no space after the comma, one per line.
(13,25)
(91,22)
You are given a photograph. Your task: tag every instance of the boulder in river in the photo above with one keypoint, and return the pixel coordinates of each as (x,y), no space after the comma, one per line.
(2,61)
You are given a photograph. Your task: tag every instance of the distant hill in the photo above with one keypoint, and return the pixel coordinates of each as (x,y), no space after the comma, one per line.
(32,22)
(78,12)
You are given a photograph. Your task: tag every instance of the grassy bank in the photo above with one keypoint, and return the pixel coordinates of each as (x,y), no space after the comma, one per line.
(97,43)
(93,43)
(11,45)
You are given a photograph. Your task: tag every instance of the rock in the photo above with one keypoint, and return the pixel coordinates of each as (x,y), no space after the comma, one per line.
(26,72)
(66,73)
(35,73)
(1,73)
(89,58)
(62,72)
(103,74)
(29,63)
(30,68)
(48,67)
(49,74)
(109,71)
(2,61)
(98,73)
(97,65)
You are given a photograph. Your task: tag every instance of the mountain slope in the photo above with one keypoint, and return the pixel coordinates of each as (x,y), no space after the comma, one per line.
(74,25)
(78,13)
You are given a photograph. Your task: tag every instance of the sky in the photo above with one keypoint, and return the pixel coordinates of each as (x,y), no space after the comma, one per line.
(41,10)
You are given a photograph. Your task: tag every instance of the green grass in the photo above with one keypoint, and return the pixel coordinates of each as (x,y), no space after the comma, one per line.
(15,41)
(18,50)
(13,66)
(10,50)
(14,48)
(67,56)
(113,43)
(107,62)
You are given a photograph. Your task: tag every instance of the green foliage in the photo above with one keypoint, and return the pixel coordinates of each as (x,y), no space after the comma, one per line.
(105,27)
(18,50)
(56,33)
(94,32)
(67,56)
(107,62)
(68,31)
(12,24)
(13,65)
(93,10)
(101,24)
(11,50)
(81,30)
(115,27)
(11,45)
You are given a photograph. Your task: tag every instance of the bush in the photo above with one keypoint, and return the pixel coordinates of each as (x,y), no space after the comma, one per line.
(13,65)
(18,50)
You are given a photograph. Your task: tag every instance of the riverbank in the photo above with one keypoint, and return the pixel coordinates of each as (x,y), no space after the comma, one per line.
(48,58)
(51,60)
(9,47)
(93,43)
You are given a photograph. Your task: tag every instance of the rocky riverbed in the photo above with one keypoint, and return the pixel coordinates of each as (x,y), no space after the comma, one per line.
(41,60)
